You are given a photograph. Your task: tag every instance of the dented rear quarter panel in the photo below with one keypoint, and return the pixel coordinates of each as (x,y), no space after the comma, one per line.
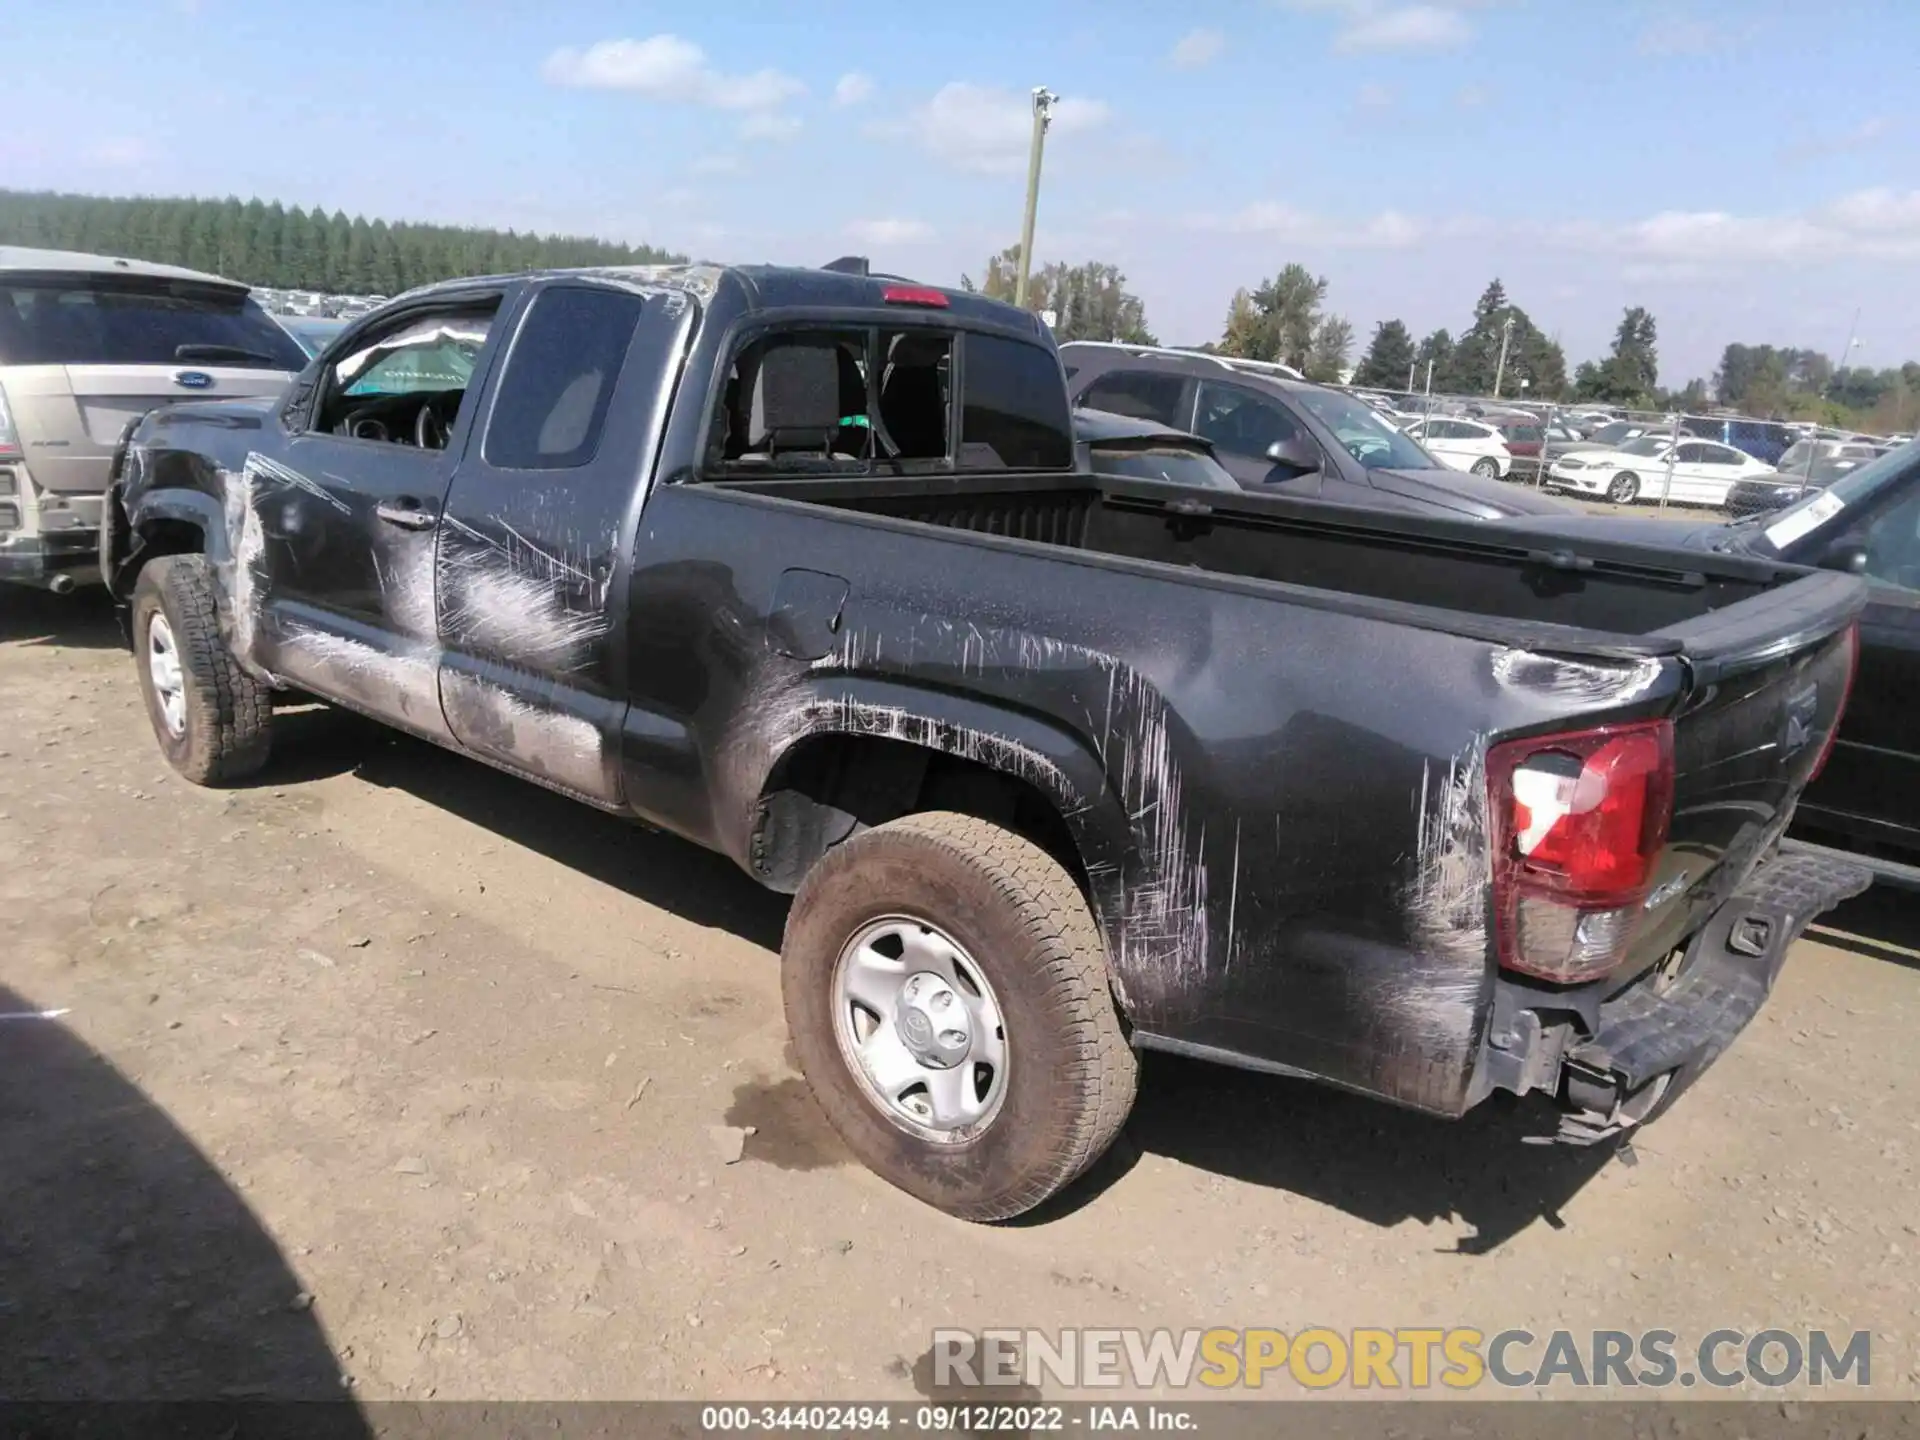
(1278,806)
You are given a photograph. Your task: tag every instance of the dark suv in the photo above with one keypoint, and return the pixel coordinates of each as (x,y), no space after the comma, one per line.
(1277,433)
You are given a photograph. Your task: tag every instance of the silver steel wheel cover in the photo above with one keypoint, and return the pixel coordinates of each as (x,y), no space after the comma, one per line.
(169,681)
(920,1028)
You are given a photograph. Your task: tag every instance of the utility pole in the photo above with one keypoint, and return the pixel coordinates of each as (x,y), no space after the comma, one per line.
(1043,102)
(1847,354)
(1500,370)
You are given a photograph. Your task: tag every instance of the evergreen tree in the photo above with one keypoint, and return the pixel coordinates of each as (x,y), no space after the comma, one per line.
(1389,357)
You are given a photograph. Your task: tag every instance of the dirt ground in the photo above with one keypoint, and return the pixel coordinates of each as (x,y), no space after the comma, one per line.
(392,1068)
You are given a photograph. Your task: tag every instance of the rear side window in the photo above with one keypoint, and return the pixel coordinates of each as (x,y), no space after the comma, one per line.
(132,320)
(1013,407)
(560,378)
(1138,393)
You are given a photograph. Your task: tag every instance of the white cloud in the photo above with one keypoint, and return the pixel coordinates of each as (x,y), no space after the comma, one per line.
(1875,224)
(978,128)
(889,232)
(716,165)
(762,125)
(1861,137)
(1881,223)
(666,67)
(1378,25)
(1680,35)
(1196,49)
(1411,27)
(1388,230)
(852,88)
(118,150)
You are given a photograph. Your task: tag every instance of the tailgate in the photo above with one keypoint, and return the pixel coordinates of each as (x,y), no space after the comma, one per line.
(1768,679)
(70,417)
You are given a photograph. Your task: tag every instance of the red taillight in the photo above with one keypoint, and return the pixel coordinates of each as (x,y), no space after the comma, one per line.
(1846,694)
(1579,822)
(914,295)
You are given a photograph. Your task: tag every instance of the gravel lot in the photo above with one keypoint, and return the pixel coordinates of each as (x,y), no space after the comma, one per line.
(393,1068)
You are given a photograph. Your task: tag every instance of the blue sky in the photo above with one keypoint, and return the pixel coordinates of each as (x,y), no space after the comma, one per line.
(1749,171)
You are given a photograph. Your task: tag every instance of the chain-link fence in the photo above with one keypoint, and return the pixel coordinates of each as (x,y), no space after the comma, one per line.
(1603,455)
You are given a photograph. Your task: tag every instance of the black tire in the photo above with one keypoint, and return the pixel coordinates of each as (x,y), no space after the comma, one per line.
(1487,466)
(1625,489)
(1071,1074)
(227,732)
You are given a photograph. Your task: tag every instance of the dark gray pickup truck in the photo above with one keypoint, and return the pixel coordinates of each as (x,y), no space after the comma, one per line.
(798,565)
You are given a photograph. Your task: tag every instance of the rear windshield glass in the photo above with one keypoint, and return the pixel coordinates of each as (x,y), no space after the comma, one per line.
(111,320)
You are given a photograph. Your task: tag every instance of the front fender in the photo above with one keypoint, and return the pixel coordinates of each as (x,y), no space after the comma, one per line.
(190,507)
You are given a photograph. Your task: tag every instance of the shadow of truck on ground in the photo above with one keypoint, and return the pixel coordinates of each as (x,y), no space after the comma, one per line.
(130,1271)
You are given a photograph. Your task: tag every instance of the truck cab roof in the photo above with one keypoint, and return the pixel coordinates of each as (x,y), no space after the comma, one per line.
(768,287)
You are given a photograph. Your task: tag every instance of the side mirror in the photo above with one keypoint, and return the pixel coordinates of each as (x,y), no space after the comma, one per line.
(1296,453)
(1846,556)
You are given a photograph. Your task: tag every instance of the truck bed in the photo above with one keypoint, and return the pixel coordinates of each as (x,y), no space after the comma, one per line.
(1624,599)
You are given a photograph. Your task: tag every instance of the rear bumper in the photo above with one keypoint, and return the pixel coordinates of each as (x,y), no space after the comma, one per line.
(1611,1065)
(59,561)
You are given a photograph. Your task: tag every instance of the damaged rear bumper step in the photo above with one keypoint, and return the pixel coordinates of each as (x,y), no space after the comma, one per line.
(1654,1040)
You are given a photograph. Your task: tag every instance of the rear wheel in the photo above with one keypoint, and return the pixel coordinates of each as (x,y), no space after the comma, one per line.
(212,719)
(1487,466)
(946,989)
(1624,490)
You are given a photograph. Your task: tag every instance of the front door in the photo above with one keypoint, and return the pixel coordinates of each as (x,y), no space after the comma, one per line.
(343,519)
(1871,785)
(541,511)
(1242,424)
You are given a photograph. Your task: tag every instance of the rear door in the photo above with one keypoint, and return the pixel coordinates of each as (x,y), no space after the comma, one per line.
(543,507)
(1703,472)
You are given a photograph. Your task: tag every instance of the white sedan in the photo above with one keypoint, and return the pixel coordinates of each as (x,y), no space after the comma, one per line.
(1464,445)
(1703,472)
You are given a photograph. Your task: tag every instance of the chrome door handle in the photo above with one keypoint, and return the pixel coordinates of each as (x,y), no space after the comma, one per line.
(408,516)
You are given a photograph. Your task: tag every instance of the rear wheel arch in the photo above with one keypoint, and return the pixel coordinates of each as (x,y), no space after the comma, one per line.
(831,784)
(1016,771)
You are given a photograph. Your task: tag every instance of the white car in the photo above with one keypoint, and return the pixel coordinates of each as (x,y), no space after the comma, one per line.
(1464,445)
(1703,472)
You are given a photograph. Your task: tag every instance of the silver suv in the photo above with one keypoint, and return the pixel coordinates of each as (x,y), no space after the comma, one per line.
(88,344)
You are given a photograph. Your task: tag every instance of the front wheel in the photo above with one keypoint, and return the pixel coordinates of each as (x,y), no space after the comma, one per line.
(946,990)
(1624,490)
(1488,466)
(212,719)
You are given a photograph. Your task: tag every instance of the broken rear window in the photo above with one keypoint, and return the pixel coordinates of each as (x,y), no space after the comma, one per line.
(859,401)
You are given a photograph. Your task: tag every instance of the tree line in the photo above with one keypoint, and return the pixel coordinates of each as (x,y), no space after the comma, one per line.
(265,243)
(1283,318)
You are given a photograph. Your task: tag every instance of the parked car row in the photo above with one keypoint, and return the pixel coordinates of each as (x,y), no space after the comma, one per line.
(315,304)
(1281,435)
